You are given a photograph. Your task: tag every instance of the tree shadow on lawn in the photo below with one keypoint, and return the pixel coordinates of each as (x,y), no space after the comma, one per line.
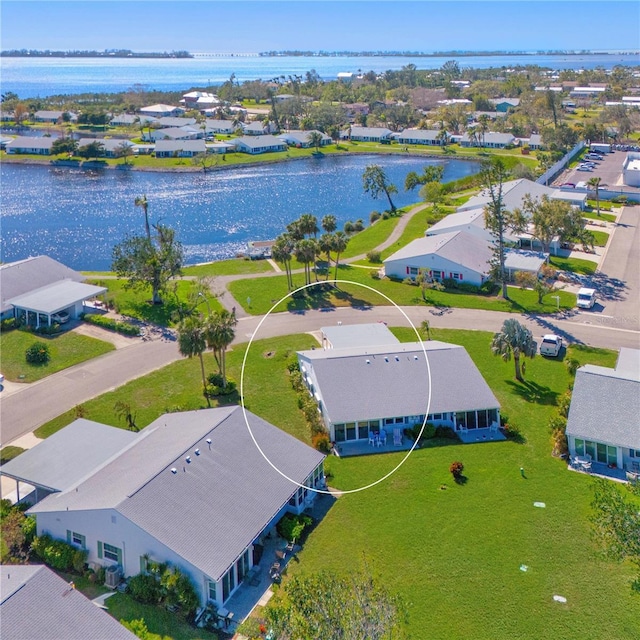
(324,296)
(533,392)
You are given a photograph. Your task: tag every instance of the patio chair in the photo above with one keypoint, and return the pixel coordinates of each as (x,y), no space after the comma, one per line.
(493,428)
(382,438)
(397,437)
(372,438)
(462,429)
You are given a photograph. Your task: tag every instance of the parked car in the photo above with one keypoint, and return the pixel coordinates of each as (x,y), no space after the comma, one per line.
(586,298)
(61,317)
(551,345)
(569,185)
(583,168)
(1,379)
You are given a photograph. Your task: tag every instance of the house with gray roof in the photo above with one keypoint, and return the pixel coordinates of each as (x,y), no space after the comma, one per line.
(490,140)
(161,110)
(301,138)
(219,126)
(369,134)
(458,255)
(254,128)
(52,116)
(176,121)
(179,148)
(433,137)
(38,287)
(130,119)
(37,604)
(365,389)
(111,147)
(191,489)
(188,132)
(368,334)
(603,416)
(513,193)
(258,144)
(30,144)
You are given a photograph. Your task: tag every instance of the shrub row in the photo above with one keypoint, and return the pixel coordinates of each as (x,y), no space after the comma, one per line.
(125,328)
(59,554)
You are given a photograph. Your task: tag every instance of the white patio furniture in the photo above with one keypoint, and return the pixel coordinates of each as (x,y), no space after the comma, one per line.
(372,438)
(463,429)
(382,438)
(494,427)
(397,437)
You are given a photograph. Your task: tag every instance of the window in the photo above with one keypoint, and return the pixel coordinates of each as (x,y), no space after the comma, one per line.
(211,588)
(338,432)
(437,275)
(579,446)
(455,276)
(112,553)
(228,583)
(76,539)
(412,271)
(634,453)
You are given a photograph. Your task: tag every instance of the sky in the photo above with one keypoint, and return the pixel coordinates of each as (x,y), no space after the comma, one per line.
(235,26)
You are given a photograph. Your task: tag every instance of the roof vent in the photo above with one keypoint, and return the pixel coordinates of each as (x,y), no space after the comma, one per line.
(188,459)
(197,452)
(368,361)
(174,470)
(415,357)
(397,359)
(386,359)
(208,440)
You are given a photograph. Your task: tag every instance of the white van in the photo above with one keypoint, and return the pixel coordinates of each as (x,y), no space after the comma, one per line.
(586,298)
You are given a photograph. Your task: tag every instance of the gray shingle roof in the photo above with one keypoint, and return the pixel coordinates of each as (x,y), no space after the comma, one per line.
(473,217)
(605,404)
(89,444)
(30,142)
(379,382)
(513,193)
(39,605)
(459,247)
(419,134)
(211,509)
(194,146)
(256,142)
(26,275)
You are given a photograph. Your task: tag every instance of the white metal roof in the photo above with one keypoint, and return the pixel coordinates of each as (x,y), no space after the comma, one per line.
(57,296)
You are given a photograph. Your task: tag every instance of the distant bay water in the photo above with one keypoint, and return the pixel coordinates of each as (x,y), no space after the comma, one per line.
(42,77)
(78,216)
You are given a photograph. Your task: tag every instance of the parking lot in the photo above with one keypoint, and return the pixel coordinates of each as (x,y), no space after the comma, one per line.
(609,170)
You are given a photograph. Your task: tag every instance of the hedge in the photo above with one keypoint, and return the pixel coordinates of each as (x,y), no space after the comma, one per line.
(125,328)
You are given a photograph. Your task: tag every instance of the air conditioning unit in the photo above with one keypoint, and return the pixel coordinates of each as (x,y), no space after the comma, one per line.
(113,576)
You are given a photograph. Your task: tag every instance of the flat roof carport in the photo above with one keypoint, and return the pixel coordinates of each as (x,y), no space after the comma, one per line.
(55,297)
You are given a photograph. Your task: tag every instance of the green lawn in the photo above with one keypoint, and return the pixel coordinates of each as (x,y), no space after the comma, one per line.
(267,391)
(600,238)
(592,215)
(458,550)
(136,303)
(414,229)
(232,267)
(454,554)
(65,348)
(373,236)
(574,265)
(9,453)
(269,290)
(162,624)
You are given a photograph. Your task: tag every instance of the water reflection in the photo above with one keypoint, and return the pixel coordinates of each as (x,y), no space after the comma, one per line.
(77,216)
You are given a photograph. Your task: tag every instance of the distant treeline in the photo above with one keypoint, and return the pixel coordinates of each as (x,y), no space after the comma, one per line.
(422,54)
(108,53)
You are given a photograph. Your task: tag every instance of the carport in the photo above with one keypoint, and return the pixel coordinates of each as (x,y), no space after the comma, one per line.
(64,295)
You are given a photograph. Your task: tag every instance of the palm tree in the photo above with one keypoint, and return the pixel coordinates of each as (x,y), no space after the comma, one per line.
(483,125)
(192,342)
(308,224)
(472,133)
(305,252)
(325,245)
(340,242)
(329,223)
(315,140)
(514,340)
(219,333)
(594,183)
(282,251)
(141,201)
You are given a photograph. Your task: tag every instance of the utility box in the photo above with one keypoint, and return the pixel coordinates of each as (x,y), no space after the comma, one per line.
(112,577)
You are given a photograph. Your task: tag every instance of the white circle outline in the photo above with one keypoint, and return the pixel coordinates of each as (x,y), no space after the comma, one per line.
(244,410)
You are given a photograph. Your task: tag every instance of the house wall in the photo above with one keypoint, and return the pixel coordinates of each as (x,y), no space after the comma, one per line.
(108,526)
(622,455)
(407,268)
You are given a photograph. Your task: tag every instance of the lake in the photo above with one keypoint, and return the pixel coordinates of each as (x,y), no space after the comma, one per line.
(33,77)
(77,216)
